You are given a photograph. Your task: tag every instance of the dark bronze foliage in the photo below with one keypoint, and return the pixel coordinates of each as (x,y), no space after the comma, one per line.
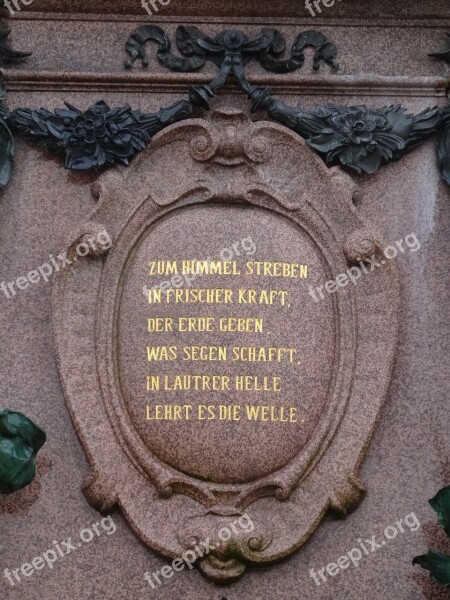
(193,56)
(98,137)
(355,136)
(7,54)
(443,146)
(358,137)
(443,143)
(6,141)
(228,47)
(103,136)
(444,55)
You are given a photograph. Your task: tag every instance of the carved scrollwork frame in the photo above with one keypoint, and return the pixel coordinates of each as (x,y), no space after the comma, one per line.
(125,472)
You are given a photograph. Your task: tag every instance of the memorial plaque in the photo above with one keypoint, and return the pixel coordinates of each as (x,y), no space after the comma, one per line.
(214,346)
(224,232)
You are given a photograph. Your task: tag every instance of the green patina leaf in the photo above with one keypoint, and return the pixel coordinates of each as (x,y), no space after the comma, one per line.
(441,505)
(20,441)
(438,564)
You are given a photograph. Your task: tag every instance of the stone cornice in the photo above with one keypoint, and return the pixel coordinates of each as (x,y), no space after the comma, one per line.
(301,85)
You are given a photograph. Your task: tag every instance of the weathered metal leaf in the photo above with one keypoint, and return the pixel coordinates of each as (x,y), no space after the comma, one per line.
(6,154)
(438,564)
(20,441)
(443,148)
(441,505)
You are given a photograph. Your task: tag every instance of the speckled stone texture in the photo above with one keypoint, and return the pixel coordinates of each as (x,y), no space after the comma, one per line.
(78,57)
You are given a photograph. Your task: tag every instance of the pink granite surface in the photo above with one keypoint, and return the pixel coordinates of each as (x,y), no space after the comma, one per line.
(408,458)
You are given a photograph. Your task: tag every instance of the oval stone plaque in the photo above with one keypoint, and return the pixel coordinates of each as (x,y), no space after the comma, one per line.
(224,359)
(210,365)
